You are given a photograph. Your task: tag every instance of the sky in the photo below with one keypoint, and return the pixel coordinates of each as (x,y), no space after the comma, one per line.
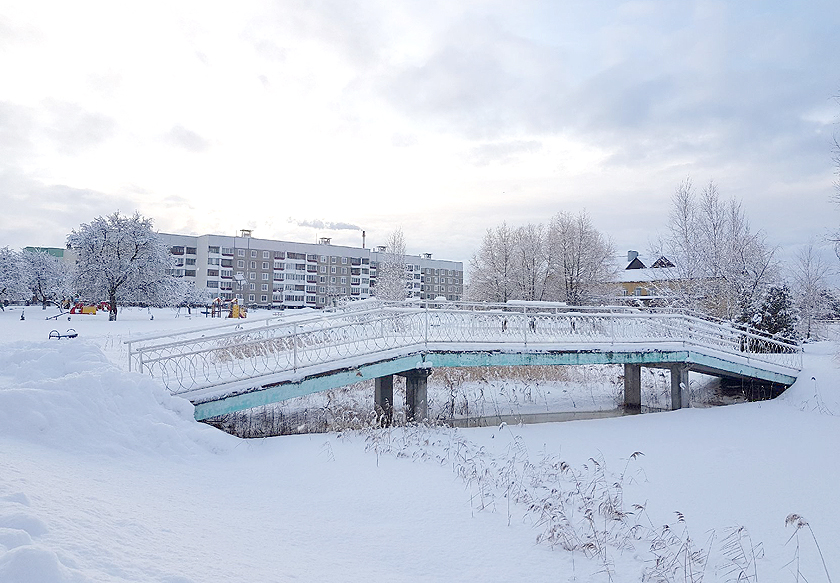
(302,119)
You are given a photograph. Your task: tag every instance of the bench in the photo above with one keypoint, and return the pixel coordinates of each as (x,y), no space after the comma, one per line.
(71,333)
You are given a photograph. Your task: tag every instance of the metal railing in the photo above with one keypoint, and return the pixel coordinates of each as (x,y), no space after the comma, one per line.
(344,338)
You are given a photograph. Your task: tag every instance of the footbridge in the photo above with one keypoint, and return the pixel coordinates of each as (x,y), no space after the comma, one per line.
(230,368)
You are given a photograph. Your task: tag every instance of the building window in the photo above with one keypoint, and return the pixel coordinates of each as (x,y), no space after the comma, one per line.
(263,298)
(265,264)
(333,259)
(264,287)
(252,275)
(323,258)
(212,284)
(240,252)
(227,251)
(253,264)
(344,260)
(240,264)
(212,249)
(253,287)
(190,250)
(265,255)
(212,273)
(265,277)
(638,291)
(251,297)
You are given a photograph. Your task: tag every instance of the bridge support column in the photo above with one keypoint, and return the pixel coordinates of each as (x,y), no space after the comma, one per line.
(633,387)
(679,386)
(416,401)
(383,400)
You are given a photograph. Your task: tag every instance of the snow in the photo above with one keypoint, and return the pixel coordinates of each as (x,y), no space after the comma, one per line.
(106,477)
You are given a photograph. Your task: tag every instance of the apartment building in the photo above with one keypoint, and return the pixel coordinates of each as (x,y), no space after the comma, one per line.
(428,278)
(271,273)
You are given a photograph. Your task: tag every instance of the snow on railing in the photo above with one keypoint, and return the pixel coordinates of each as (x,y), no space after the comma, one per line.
(208,357)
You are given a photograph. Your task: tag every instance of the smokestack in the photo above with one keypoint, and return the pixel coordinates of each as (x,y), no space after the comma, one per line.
(363,239)
(631,255)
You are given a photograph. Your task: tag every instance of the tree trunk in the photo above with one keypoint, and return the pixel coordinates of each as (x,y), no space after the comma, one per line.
(112,299)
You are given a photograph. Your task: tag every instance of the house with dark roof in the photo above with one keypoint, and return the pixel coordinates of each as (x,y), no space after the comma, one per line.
(636,279)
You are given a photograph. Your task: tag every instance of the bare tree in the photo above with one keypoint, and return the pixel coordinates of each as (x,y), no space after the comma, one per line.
(721,265)
(390,273)
(580,258)
(493,268)
(122,259)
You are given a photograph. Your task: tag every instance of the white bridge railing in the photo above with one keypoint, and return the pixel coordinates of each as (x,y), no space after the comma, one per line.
(216,356)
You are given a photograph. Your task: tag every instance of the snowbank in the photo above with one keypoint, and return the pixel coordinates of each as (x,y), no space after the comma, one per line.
(67,395)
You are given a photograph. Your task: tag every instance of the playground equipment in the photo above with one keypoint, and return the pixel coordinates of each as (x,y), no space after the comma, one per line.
(230,309)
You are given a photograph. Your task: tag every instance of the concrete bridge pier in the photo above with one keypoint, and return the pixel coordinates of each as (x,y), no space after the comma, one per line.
(633,387)
(679,386)
(383,400)
(416,399)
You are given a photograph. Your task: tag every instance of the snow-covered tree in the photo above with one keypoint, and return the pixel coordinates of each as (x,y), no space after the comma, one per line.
(189,294)
(11,275)
(390,273)
(774,314)
(122,259)
(532,256)
(580,259)
(810,280)
(46,277)
(494,268)
(720,263)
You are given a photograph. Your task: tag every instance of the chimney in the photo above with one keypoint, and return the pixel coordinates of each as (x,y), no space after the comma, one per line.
(631,255)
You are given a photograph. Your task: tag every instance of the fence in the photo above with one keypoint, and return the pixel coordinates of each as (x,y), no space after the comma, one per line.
(215,356)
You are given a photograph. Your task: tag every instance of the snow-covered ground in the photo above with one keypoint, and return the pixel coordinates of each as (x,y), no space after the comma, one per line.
(105,477)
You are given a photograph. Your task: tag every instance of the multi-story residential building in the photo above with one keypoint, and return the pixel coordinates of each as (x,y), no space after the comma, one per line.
(271,273)
(428,278)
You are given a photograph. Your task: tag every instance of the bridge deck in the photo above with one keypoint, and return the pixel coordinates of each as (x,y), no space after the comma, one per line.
(214,401)
(239,367)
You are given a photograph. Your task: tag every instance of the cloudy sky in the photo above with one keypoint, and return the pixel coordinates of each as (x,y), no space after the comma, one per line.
(301,119)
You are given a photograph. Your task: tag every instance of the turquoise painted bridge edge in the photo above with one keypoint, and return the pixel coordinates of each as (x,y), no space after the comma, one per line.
(276,392)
